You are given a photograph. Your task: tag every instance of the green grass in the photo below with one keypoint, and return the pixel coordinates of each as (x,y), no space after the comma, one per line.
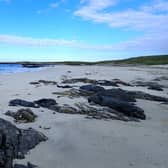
(145,60)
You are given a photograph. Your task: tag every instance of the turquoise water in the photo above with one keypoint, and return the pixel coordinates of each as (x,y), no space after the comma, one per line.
(13,68)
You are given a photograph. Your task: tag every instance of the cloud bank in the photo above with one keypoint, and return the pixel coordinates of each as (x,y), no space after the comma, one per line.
(145,43)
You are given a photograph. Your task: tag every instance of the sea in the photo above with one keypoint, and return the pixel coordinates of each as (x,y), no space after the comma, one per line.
(14,68)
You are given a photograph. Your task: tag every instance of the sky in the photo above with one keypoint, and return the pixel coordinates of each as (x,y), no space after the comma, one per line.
(82,30)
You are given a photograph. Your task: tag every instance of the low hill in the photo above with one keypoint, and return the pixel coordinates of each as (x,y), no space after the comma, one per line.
(144,60)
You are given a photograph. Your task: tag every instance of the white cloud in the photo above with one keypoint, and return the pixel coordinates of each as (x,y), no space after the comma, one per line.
(146,43)
(93,5)
(29,41)
(50,7)
(145,18)
(54,5)
(151,19)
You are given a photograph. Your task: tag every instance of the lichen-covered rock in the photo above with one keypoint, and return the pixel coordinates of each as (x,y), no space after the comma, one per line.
(22,115)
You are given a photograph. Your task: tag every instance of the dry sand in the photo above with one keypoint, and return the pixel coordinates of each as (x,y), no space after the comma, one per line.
(77,142)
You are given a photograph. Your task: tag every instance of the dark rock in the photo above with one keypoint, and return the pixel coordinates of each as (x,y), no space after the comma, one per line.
(33,65)
(45,82)
(73,93)
(46,103)
(15,142)
(128,109)
(122,101)
(34,83)
(22,115)
(106,83)
(76,80)
(158,88)
(102,113)
(119,94)
(19,102)
(114,82)
(146,96)
(130,96)
(65,86)
(118,81)
(29,165)
(150,85)
(92,88)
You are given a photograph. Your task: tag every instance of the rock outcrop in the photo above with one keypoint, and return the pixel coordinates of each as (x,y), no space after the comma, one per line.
(119,101)
(15,142)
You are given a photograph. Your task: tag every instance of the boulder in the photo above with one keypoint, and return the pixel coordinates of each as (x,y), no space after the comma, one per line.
(127,108)
(46,103)
(118,81)
(15,142)
(24,103)
(22,115)
(92,88)
(119,94)
(65,86)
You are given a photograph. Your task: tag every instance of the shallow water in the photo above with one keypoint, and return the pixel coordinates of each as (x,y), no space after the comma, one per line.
(13,68)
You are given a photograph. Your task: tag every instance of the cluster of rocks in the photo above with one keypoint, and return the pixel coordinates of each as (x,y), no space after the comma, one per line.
(73,93)
(149,85)
(46,82)
(84,109)
(15,143)
(114,82)
(118,101)
(117,82)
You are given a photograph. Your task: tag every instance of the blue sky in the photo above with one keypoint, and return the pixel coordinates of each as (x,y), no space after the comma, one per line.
(89,30)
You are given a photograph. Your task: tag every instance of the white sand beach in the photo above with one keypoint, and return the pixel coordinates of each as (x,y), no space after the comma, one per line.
(77,142)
